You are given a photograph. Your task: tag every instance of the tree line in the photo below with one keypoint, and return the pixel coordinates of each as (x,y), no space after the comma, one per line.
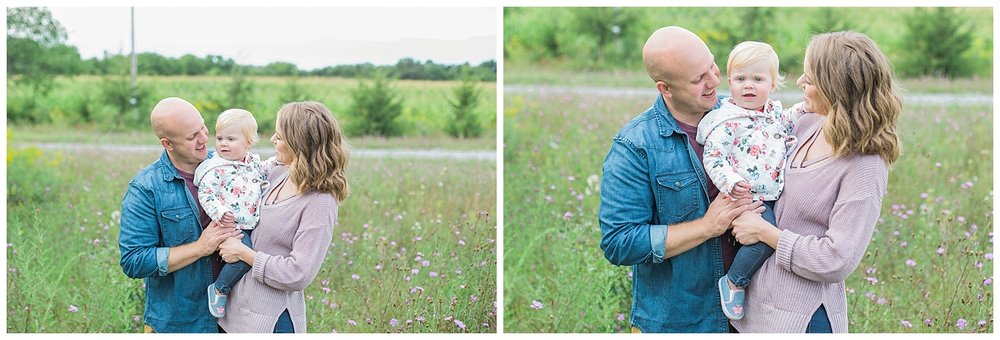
(938,41)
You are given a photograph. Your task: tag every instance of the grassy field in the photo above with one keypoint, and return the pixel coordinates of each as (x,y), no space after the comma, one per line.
(929,267)
(414,254)
(77,103)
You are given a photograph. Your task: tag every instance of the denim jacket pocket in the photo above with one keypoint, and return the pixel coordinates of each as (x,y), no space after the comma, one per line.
(677,196)
(176,225)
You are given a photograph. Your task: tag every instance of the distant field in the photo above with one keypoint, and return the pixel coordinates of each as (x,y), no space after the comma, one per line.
(77,104)
(928,269)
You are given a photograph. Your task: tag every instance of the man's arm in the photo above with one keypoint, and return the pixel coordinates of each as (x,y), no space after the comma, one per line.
(720,215)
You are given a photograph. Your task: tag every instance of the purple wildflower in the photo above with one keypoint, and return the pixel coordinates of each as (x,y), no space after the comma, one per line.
(911,263)
(73,309)
(907,324)
(535,304)
(961,323)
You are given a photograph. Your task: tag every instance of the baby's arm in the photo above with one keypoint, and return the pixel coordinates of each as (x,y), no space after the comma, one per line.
(790,116)
(717,160)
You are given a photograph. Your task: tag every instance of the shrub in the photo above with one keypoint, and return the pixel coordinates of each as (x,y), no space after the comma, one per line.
(936,41)
(375,108)
(30,176)
(465,122)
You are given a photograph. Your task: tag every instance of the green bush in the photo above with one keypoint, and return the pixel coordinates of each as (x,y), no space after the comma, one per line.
(937,40)
(30,176)
(465,122)
(124,100)
(375,108)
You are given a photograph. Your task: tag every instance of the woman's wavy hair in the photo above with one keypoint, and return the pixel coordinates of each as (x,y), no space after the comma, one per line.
(319,154)
(854,81)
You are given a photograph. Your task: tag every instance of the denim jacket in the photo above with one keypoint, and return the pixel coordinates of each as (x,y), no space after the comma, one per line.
(653,179)
(158,212)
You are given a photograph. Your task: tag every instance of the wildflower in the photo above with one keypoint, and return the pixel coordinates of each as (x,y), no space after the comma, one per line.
(567,215)
(458,272)
(927,322)
(135,318)
(432,274)
(961,219)
(870,270)
(473,298)
(352,322)
(461,242)
(326,289)
(571,178)
(73,309)
(548,198)
(911,263)
(414,271)
(393,322)
(988,256)
(982,323)
(937,164)
(903,244)
(355,276)
(870,295)
(378,266)
(961,323)
(398,218)
(881,301)
(988,281)
(425,263)
(419,319)
(97,241)
(535,304)
(923,196)
(621,316)
(872,280)
(907,324)
(460,324)
(940,250)
(979,265)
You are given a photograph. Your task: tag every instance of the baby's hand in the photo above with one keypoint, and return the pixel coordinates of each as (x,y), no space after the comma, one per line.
(227,218)
(741,190)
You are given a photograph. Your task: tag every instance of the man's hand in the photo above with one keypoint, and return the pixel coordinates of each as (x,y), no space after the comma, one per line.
(741,190)
(213,235)
(723,210)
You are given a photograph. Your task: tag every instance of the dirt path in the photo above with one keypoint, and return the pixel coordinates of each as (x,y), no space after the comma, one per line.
(963,99)
(267,152)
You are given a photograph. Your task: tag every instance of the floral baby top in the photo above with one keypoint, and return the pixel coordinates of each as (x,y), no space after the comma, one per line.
(233,186)
(748,145)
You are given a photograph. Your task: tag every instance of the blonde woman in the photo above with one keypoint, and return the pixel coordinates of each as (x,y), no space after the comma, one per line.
(834,181)
(296,223)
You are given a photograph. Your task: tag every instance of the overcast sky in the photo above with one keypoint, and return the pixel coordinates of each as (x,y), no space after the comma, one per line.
(308,37)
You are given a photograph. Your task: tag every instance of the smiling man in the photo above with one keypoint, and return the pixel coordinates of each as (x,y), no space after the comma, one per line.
(655,213)
(165,236)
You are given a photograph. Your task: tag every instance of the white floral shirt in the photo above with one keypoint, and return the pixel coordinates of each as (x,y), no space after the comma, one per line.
(748,145)
(233,186)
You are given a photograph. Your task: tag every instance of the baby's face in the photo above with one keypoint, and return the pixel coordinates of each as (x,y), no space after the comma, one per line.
(231,143)
(752,84)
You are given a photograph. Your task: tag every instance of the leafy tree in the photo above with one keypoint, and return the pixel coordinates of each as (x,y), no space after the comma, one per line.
(293,92)
(465,122)
(239,94)
(936,40)
(375,108)
(829,20)
(605,25)
(35,47)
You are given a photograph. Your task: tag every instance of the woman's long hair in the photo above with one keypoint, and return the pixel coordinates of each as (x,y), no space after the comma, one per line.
(855,83)
(319,155)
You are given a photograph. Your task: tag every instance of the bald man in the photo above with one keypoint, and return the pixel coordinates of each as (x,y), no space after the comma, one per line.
(655,213)
(165,236)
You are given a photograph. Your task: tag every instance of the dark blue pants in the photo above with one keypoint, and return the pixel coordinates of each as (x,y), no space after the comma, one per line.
(232,272)
(749,258)
(820,322)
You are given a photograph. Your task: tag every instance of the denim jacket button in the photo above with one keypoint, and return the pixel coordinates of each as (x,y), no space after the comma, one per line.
(678,183)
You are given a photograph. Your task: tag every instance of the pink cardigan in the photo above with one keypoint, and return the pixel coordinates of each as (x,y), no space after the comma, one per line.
(291,243)
(827,214)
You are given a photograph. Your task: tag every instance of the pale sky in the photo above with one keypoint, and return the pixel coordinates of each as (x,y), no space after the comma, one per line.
(310,37)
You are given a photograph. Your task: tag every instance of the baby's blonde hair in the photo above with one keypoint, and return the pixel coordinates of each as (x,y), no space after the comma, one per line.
(749,52)
(239,117)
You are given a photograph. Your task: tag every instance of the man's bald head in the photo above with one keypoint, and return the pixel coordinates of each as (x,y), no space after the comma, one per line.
(169,111)
(667,51)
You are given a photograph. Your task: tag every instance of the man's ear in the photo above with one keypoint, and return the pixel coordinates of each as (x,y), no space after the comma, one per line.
(166,144)
(664,89)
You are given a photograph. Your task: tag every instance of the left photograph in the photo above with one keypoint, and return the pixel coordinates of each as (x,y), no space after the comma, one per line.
(251,170)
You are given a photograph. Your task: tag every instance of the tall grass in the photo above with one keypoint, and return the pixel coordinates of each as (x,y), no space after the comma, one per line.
(414,249)
(939,197)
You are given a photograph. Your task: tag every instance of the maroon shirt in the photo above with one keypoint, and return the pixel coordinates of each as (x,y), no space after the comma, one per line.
(729,244)
(202,218)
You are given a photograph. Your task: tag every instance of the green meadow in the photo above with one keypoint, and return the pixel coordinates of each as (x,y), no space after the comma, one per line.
(928,268)
(414,249)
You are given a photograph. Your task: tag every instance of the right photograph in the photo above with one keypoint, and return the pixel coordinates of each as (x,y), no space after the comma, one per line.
(748,170)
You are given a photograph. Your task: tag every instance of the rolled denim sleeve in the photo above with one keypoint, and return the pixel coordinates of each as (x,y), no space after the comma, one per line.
(139,235)
(627,207)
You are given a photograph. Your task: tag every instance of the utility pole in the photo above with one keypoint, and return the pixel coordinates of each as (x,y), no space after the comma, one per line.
(135,68)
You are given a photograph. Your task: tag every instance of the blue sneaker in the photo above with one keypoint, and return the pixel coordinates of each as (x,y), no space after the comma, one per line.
(732,299)
(216,301)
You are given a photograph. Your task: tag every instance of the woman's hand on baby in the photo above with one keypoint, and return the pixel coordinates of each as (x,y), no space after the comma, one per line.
(741,190)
